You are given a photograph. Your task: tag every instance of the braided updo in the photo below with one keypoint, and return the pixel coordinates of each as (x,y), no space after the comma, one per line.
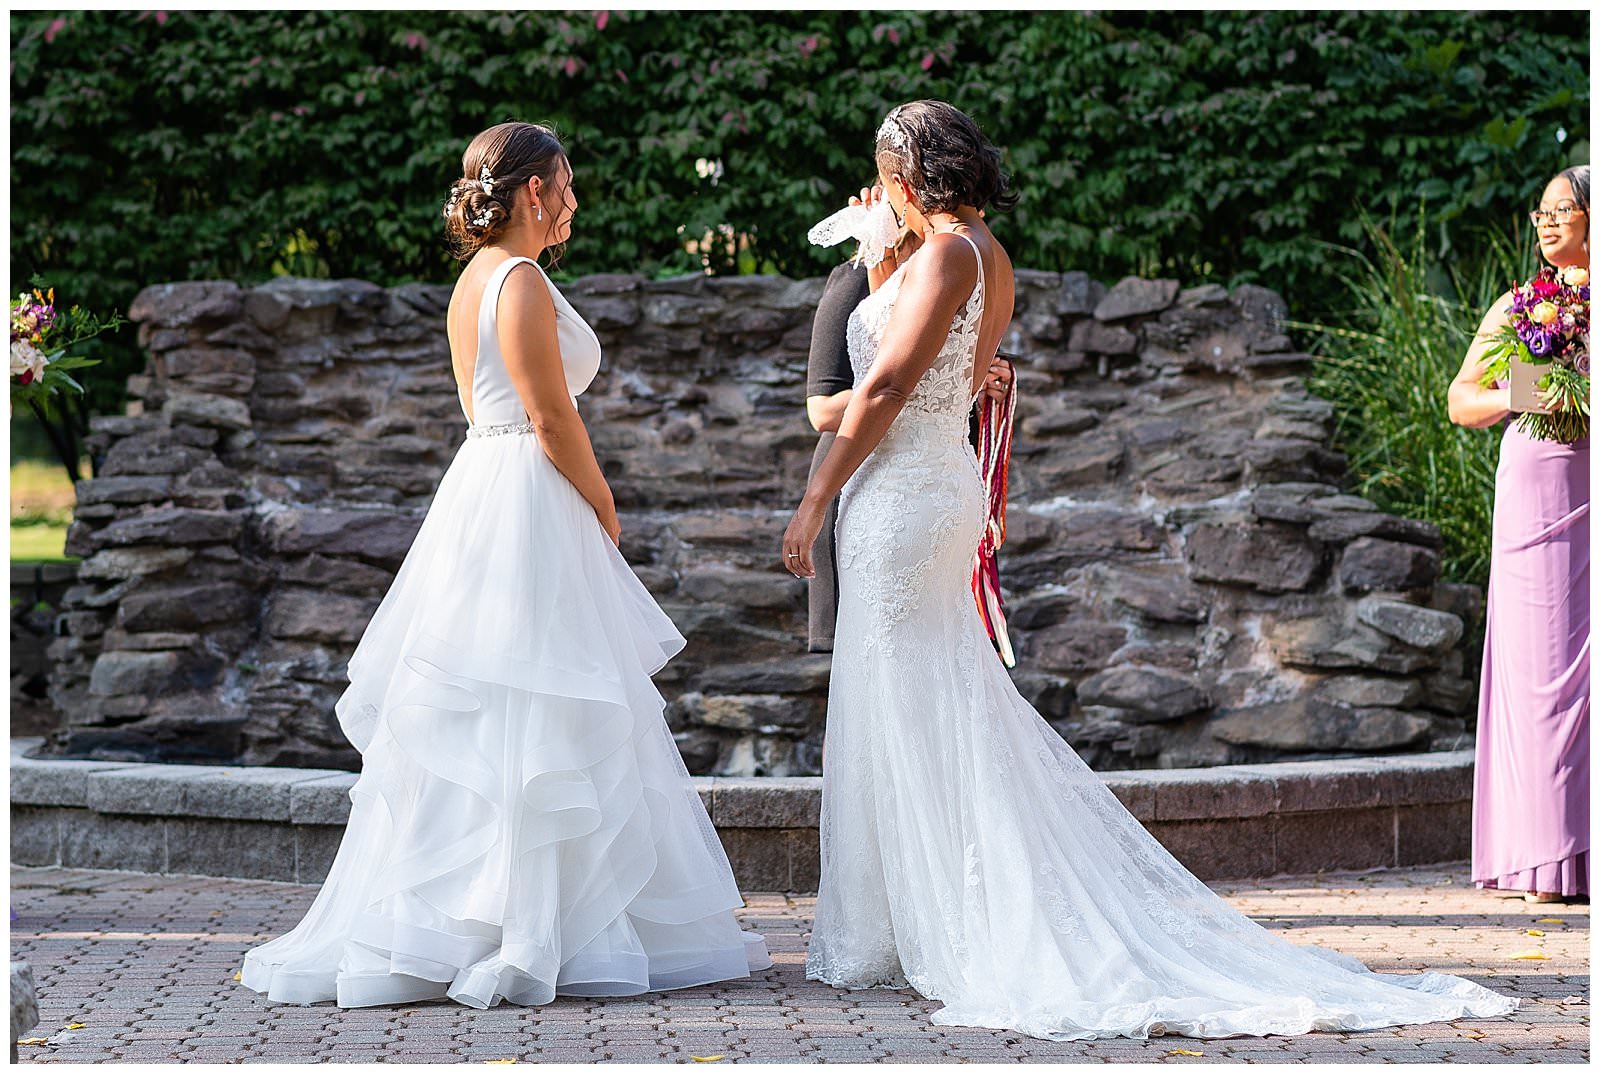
(943,156)
(498,163)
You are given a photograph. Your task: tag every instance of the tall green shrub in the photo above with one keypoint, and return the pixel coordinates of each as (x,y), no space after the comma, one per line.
(1216,145)
(1387,360)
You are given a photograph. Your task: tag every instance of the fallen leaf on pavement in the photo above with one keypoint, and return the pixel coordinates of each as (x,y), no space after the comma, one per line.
(33,1040)
(1184,1051)
(498,1062)
(1552,921)
(238,976)
(1539,955)
(707,1058)
(75,1025)
(1534,932)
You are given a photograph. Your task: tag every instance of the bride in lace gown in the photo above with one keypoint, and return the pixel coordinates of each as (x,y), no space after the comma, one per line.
(966,850)
(523,825)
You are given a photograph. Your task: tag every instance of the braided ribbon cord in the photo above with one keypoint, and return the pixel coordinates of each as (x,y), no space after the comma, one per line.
(995,419)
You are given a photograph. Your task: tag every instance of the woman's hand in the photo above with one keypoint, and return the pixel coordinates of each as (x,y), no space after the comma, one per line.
(870,196)
(800,536)
(1553,401)
(909,240)
(998,381)
(612,525)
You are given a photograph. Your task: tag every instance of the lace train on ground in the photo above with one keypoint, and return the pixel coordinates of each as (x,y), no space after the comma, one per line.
(968,851)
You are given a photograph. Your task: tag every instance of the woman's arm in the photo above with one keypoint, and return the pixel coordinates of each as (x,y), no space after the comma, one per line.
(825,411)
(877,274)
(893,256)
(828,373)
(1471,404)
(935,287)
(527,319)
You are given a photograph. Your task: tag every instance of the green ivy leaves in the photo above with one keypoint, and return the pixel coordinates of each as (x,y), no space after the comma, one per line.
(1206,146)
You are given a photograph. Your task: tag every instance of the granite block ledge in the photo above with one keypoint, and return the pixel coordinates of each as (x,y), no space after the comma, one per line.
(1231,822)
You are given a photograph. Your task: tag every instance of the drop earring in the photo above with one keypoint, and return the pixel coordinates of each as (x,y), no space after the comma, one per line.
(540,210)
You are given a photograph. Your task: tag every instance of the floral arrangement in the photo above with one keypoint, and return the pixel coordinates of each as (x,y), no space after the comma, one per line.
(1549,326)
(41,336)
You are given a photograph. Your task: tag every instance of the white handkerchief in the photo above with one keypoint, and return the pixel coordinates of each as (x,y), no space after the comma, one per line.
(875,229)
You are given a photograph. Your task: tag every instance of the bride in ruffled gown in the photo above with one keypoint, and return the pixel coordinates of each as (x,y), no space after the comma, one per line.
(966,849)
(523,825)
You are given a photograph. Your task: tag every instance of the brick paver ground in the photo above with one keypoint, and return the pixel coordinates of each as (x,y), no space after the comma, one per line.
(136,967)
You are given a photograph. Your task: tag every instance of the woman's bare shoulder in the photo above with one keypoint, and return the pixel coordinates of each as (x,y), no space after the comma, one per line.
(945,260)
(525,291)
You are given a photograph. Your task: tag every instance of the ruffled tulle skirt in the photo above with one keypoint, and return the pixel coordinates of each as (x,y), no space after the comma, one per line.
(523,824)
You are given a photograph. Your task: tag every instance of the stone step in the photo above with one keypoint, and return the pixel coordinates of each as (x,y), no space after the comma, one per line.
(268,823)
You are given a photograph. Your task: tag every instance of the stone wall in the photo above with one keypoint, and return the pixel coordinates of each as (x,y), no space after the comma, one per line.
(1223,822)
(1187,584)
(36,593)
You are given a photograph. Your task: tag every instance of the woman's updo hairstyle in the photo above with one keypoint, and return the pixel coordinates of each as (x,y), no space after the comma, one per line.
(943,157)
(498,163)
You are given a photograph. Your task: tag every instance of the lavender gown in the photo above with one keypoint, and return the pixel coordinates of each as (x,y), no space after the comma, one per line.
(1530,805)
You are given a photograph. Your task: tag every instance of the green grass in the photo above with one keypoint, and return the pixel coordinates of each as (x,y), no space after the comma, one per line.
(38,542)
(1387,364)
(42,499)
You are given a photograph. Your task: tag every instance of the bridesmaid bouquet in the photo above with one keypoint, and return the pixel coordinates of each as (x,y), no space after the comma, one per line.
(41,335)
(1549,327)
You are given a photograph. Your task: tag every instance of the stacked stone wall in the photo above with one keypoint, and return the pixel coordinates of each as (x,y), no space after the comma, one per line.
(1187,583)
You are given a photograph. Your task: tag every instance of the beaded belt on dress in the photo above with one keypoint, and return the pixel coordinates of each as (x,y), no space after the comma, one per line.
(514,429)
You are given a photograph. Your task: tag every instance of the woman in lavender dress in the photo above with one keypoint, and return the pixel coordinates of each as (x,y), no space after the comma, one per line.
(1530,804)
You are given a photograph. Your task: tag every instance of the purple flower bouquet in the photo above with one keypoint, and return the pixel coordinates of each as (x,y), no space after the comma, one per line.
(1549,326)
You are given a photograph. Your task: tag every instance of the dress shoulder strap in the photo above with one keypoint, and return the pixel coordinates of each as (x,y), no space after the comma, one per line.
(487,334)
(979,253)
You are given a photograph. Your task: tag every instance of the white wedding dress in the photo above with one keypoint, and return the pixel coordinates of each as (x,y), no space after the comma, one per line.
(523,824)
(966,850)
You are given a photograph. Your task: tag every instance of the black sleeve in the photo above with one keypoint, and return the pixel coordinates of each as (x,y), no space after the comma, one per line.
(828,371)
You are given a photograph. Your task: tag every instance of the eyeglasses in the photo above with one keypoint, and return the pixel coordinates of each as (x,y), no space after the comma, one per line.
(1561,214)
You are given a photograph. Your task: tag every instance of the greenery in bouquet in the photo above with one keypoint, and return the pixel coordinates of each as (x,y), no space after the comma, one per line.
(45,342)
(41,337)
(1549,327)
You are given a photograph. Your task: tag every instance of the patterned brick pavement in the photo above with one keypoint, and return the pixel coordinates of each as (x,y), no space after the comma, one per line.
(137,967)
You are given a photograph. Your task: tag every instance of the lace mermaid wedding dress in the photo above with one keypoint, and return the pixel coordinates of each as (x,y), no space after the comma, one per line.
(523,824)
(966,850)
